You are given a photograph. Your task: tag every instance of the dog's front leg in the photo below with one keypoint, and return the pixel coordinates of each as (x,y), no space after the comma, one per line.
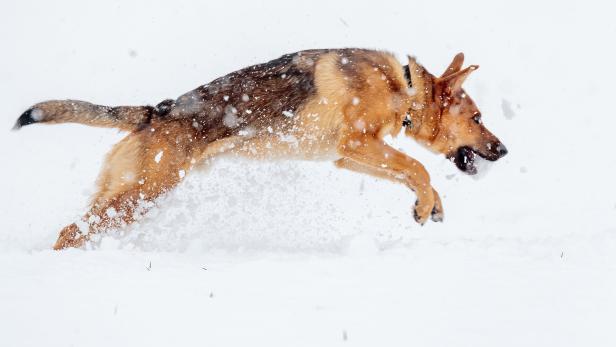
(368,154)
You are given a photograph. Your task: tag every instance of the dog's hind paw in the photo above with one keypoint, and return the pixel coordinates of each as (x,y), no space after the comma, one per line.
(70,236)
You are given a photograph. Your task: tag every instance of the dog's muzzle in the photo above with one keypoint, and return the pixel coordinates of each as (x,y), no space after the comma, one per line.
(493,151)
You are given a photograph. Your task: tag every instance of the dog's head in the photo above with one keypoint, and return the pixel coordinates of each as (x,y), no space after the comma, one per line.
(446,120)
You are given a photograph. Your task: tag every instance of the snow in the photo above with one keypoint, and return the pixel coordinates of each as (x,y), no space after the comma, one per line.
(508,111)
(301,253)
(158,157)
(36,114)
(230,119)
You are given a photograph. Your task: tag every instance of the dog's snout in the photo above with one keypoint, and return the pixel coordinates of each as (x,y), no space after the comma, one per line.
(501,150)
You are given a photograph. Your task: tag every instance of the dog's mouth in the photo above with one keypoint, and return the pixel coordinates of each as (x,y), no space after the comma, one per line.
(464,158)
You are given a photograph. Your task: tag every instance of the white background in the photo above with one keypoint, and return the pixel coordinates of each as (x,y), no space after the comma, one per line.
(303,254)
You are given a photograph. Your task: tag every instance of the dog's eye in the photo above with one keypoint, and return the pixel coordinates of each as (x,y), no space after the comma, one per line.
(477,118)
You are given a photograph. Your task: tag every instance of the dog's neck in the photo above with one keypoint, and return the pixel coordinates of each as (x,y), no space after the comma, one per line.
(419,120)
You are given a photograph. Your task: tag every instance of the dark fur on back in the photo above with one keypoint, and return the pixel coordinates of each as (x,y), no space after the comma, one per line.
(257,96)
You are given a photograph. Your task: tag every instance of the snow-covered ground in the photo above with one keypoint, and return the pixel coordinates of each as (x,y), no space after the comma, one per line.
(300,253)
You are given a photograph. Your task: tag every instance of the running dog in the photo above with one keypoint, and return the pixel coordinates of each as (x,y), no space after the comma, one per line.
(330,104)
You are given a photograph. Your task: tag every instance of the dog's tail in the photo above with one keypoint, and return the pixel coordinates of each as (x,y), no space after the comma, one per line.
(129,118)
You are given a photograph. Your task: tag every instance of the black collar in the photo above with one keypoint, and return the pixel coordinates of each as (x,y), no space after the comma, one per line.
(407,122)
(407,76)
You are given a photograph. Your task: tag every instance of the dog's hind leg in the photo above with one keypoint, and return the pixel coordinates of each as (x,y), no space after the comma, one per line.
(140,168)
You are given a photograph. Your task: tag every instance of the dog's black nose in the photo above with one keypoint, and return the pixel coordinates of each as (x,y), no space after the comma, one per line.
(502,150)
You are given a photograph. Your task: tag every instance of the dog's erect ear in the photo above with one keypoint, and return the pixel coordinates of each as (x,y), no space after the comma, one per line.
(455,66)
(421,80)
(453,82)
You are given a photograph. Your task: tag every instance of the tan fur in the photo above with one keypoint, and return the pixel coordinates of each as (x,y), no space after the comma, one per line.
(361,97)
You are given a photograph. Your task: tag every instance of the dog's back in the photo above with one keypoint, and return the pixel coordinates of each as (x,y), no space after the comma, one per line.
(254,97)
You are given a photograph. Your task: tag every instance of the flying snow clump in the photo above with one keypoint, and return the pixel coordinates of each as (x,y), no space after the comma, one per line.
(507,109)
(158,157)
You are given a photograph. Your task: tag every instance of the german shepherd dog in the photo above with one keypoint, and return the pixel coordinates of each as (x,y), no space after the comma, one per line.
(332,104)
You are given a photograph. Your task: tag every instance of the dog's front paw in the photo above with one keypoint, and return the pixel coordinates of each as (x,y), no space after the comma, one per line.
(437,213)
(428,205)
(422,212)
